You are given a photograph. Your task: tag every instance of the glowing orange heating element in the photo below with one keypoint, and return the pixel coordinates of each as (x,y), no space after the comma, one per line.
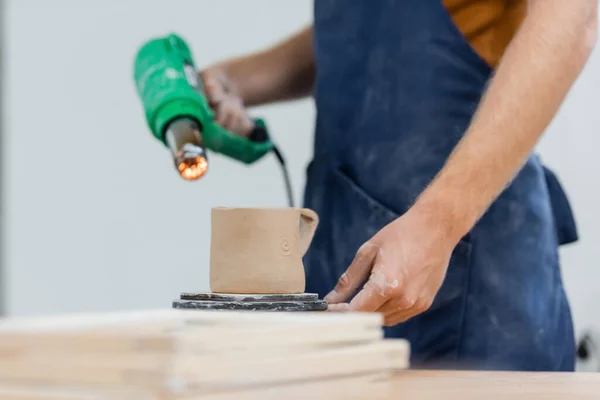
(192,169)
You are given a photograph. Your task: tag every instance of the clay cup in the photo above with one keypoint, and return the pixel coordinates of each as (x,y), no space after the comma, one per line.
(259,250)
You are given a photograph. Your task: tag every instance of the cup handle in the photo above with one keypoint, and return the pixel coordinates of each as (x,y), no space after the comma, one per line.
(308,225)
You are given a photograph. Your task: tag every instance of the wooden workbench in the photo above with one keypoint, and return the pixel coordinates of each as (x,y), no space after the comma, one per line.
(413,385)
(495,385)
(446,385)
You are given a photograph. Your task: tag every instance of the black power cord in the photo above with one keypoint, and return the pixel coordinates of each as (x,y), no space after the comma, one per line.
(286,175)
(259,134)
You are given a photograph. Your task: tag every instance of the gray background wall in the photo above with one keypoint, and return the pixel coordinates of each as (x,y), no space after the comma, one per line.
(96,218)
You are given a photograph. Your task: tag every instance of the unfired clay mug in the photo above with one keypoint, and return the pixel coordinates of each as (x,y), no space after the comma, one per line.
(259,250)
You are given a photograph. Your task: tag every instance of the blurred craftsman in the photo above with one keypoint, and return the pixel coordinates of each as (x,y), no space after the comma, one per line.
(435,211)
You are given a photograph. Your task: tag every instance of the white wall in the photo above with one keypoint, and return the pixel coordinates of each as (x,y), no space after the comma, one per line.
(97,218)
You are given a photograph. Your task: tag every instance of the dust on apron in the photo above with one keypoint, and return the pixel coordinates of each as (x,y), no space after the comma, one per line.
(397,85)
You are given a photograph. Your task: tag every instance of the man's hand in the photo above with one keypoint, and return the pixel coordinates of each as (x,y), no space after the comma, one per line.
(406,264)
(230,112)
(284,71)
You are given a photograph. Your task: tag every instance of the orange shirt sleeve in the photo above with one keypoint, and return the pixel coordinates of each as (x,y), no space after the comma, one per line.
(489,25)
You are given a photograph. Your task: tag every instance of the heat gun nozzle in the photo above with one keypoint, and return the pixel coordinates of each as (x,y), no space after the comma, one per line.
(191,164)
(185,141)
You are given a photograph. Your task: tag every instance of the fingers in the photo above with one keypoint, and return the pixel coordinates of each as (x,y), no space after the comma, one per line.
(396,310)
(230,112)
(215,93)
(231,115)
(225,114)
(373,295)
(396,305)
(384,283)
(246,125)
(355,275)
(390,299)
(396,318)
(402,308)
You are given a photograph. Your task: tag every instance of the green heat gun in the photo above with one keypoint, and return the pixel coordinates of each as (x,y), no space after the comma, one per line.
(178,114)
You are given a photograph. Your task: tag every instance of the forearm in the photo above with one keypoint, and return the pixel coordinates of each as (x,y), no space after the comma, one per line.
(282,72)
(538,69)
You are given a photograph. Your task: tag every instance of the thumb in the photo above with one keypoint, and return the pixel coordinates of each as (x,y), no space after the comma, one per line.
(355,275)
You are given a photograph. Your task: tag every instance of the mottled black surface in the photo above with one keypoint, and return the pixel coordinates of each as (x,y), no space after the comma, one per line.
(250,297)
(311,305)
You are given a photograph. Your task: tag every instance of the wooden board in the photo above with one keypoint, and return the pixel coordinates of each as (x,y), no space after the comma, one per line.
(173,354)
(215,371)
(193,340)
(168,319)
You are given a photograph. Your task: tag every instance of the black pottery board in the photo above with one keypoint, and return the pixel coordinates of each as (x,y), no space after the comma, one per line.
(317,305)
(251,302)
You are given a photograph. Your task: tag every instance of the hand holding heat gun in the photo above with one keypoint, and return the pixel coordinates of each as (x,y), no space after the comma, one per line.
(178,113)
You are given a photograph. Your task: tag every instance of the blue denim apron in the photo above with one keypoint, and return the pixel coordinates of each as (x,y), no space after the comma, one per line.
(397,85)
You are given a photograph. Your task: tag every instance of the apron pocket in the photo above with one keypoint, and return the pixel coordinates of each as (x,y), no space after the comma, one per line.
(382,212)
